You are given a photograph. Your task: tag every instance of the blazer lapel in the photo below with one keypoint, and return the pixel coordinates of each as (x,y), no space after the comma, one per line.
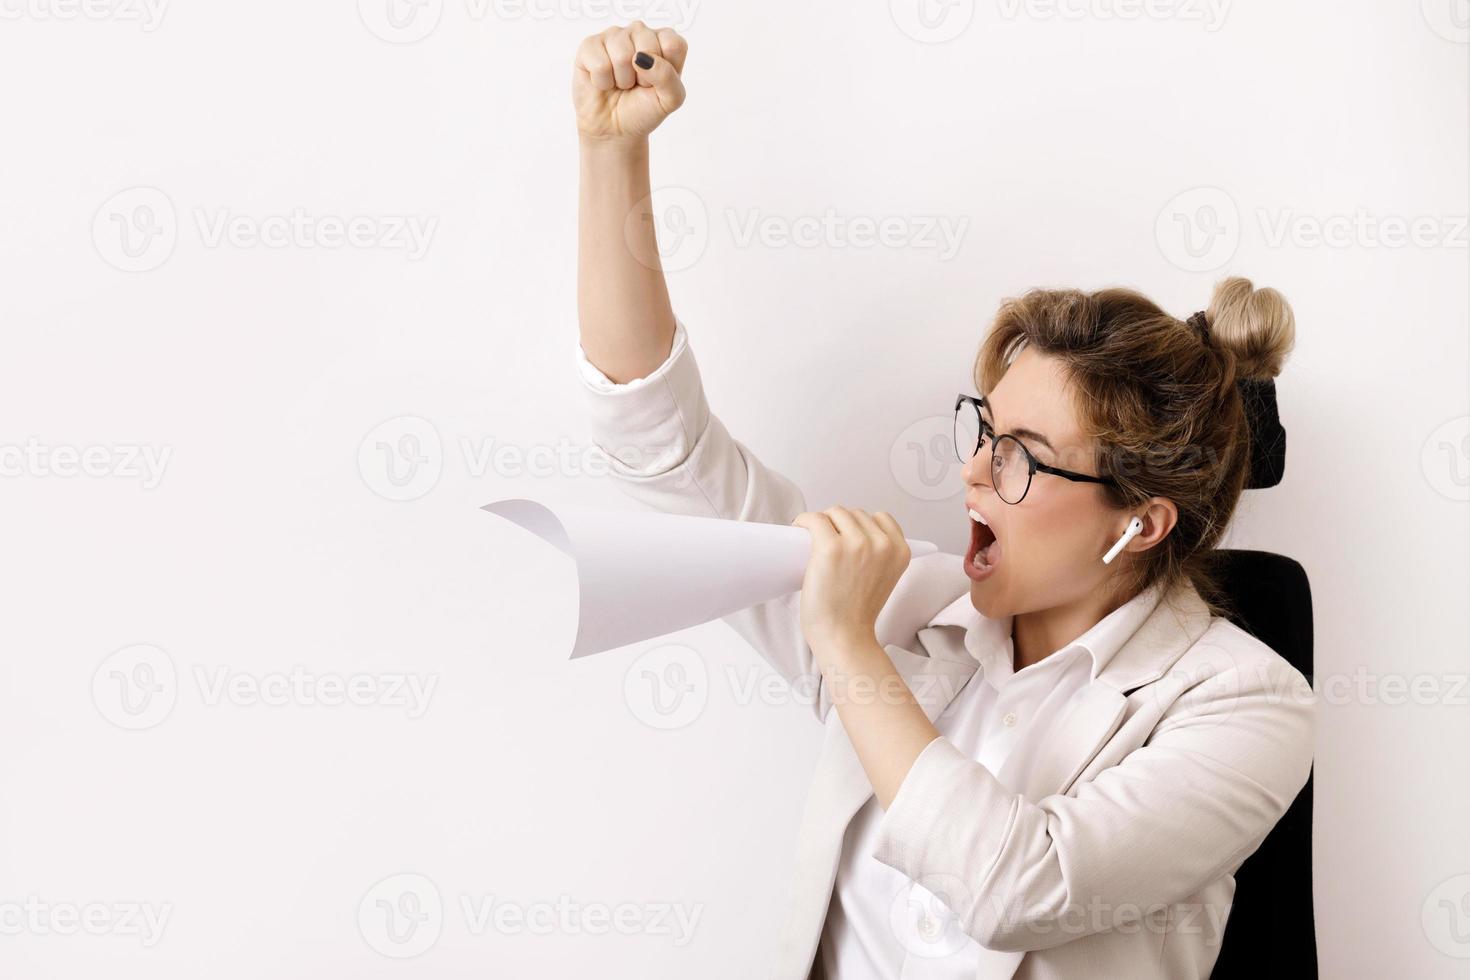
(1096,712)
(1091,717)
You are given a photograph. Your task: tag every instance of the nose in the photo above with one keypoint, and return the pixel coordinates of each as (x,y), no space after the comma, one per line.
(976,470)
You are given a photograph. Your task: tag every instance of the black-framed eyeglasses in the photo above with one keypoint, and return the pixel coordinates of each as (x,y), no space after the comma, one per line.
(1012,465)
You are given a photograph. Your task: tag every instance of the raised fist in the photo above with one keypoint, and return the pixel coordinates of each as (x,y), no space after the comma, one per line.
(626,81)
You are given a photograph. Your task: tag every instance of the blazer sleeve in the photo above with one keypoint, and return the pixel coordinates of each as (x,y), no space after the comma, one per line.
(1178,813)
(666,450)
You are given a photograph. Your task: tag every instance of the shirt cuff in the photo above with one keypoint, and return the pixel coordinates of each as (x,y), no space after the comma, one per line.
(598,381)
(917,834)
(648,426)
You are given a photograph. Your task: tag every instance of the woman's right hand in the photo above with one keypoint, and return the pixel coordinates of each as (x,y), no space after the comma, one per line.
(615,99)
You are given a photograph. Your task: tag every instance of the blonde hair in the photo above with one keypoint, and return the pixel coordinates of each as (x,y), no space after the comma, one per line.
(1256,325)
(1161,401)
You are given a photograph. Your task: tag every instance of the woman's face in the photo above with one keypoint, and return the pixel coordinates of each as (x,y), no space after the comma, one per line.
(1048,548)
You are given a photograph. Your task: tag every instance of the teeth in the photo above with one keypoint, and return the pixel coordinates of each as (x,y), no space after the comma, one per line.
(975,514)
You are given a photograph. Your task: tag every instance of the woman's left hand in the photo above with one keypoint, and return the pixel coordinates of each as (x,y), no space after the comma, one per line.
(856,560)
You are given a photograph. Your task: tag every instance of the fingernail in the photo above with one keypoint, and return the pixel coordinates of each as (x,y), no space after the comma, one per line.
(643,60)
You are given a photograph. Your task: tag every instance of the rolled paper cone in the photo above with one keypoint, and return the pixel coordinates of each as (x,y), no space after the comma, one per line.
(642,574)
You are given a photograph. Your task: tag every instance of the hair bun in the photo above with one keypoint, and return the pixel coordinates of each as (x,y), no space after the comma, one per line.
(1256,325)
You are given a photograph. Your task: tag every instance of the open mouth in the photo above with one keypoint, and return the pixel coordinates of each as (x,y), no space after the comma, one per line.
(983,555)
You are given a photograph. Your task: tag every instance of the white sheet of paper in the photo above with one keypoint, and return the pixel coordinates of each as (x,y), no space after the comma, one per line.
(642,574)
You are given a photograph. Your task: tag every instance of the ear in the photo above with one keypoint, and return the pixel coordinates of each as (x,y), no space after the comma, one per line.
(1159,517)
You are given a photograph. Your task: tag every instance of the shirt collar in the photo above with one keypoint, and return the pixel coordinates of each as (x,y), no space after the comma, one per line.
(986,638)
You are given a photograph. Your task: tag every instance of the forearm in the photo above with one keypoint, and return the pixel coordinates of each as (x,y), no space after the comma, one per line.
(627,322)
(882,718)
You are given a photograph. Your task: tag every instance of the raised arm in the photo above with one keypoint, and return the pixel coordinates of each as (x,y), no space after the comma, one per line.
(625,82)
(646,401)
(645,398)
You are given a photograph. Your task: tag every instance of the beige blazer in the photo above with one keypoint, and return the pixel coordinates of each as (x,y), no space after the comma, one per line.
(1113,857)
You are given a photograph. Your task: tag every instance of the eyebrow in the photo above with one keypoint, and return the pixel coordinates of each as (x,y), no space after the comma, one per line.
(1021,430)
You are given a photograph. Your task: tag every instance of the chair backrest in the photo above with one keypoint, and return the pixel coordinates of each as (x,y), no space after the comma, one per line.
(1271,930)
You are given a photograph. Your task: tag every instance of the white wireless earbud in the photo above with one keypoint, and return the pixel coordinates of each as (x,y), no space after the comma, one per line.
(1135,526)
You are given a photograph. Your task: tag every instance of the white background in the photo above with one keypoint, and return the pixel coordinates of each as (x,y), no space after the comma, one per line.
(1061,137)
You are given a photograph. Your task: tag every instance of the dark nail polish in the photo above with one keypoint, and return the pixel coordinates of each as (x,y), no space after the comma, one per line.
(643,60)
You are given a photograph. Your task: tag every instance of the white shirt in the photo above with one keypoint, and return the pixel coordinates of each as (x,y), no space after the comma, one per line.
(881,925)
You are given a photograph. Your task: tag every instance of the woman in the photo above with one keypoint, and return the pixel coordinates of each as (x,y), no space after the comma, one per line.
(1046,760)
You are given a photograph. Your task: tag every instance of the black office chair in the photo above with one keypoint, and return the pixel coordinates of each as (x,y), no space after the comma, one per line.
(1271,930)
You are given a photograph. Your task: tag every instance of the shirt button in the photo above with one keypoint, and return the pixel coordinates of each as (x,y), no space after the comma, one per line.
(1010,719)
